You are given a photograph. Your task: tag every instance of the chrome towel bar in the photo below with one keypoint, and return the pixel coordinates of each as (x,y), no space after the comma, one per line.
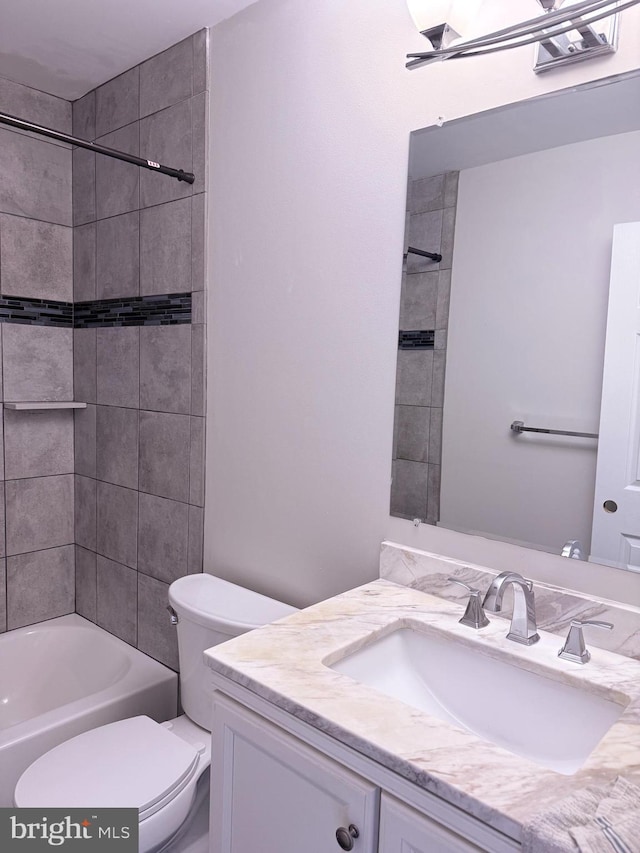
(518,426)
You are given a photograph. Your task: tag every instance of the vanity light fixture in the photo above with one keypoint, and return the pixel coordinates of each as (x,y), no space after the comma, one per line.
(568,31)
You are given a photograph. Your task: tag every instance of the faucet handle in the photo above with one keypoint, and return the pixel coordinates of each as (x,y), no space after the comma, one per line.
(474,616)
(574,648)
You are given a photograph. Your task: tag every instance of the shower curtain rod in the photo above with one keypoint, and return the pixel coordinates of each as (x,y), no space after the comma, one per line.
(179,174)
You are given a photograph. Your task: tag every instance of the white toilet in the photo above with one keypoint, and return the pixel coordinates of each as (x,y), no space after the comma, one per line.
(155,767)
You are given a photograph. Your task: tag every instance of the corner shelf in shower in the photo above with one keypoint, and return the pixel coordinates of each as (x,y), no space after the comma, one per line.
(42,406)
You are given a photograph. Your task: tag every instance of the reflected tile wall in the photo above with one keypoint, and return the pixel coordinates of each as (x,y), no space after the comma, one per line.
(424,306)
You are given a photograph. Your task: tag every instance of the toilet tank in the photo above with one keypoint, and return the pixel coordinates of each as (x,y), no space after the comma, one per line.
(211,611)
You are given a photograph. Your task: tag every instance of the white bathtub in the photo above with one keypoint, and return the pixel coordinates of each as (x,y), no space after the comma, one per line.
(65,676)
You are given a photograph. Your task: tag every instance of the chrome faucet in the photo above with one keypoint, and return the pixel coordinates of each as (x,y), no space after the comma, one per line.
(523,621)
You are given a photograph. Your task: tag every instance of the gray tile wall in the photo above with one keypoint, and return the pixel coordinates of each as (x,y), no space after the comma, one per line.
(424,304)
(36,449)
(139,445)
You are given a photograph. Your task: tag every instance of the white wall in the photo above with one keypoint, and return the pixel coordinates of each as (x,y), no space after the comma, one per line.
(529,295)
(311,108)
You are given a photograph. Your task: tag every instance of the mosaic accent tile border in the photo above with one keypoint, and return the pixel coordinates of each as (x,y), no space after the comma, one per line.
(417,339)
(36,312)
(164,310)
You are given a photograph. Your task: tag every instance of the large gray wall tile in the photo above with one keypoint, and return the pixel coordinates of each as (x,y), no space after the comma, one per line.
(35,106)
(448,231)
(85,441)
(117,446)
(425,232)
(433,501)
(435,436)
(200,60)
(37,362)
(199,123)
(3,595)
(166,137)
(35,178)
(196,466)
(3,549)
(2,475)
(418,302)
(118,256)
(166,78)
(39,513)
(37,259)
(409,489)
(84,262)
(165,368)
(84,365)
(156,635)
(118,367)
(117,102)
(426,194)
(196,540)
(38,444)
(85,512)
(437,390)
(451,180)
(117,523)
(117,594)
(40,586)
(414,377)
(117,182)
(412,432)
(163,538)
(86,583)
(198,236)
(165,248)
(84,186)
(198,355)
(84,117)
(444,295)
(164,455)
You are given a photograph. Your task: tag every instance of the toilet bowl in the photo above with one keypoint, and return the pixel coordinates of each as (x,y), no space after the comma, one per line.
(157,768)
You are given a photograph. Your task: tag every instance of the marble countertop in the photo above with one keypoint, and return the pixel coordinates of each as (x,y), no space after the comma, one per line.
(286,663)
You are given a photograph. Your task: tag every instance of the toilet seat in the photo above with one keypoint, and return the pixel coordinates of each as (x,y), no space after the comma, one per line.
(131,763)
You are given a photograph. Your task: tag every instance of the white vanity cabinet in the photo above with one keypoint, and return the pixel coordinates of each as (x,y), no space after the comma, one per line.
(273,793)
(270,793)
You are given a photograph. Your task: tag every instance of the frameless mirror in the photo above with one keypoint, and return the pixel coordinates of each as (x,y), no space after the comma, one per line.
(509,327)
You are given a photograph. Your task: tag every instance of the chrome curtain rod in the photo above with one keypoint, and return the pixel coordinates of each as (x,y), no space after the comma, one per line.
(518,426)
(179,174)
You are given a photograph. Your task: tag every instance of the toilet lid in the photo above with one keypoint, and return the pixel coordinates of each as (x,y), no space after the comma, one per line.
(131,763)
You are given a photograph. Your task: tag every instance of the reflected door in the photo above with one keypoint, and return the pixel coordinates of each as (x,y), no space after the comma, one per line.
(616,514)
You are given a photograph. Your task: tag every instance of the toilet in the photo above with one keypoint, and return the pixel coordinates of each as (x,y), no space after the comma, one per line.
(159,768)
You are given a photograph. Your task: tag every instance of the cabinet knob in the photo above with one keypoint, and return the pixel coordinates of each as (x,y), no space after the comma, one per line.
(345,836)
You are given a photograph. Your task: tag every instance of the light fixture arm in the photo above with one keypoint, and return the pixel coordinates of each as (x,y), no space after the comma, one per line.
(543,29)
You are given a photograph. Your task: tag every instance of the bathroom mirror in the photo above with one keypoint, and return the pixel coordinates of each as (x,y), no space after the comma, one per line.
(510,326)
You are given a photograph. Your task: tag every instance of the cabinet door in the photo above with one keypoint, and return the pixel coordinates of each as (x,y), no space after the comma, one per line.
(270,793)
(403,830)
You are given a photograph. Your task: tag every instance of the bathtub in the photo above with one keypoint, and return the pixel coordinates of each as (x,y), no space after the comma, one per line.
(64,676)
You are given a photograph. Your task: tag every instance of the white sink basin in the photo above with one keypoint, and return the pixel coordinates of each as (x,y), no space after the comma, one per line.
(553,724)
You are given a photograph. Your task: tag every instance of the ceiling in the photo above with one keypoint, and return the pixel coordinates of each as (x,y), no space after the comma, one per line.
(67,47)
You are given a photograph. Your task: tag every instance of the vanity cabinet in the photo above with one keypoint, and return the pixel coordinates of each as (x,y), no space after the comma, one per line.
(272,792)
